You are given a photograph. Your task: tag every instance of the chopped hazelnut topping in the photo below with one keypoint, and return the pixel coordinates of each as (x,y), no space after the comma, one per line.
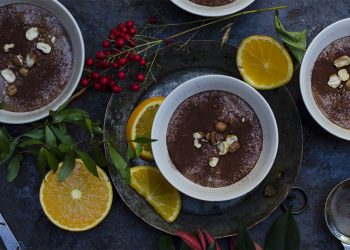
(343,75)
(223,148)
(342,61)
(213,161)
(196,143)
(8,75)
(334,81)
(8,46)
(220,126)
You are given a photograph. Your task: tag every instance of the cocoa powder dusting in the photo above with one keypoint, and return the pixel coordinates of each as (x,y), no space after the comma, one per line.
(200,113)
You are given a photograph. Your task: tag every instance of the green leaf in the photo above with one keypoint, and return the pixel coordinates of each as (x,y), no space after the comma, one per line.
(71,115)
(166,243)
(64,148)
(244,242)
(96,129)
(88,161)
(42,162)
(61,133)
(283,234)
(212,246)
(67,166)
(138,150)
(5,156)
(30,142)
(37,134)
(130,152)
(89,127)
(119,163)
(4,141)
(295,41)
(50,138)
(144,140)
(100,158)
(14,167)
(51,160)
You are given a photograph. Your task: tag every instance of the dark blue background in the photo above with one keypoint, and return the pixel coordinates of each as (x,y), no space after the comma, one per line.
(325,162)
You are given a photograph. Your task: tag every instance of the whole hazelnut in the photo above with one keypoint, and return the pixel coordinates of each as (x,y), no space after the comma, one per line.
(220,126)
(23,71)
(11,90)
(214,138)
(234,147)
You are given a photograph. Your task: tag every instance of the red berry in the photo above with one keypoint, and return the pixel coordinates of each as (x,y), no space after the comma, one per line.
(100,64)
(112,36)
(129,24)
(132,43)
(115,65)
(142,62)
(140,77)
(119,42)
(131,56)
(106,44)
(118,34)
(121,75)
(89,62)
(123,61)
(135,87)
(104,80)
(107,53)
(106,65)
(100,55)
(123,30)
(117,89)
(153,20)
(114,30)
(116,52)
(137,57)
(110,77)
(132,31)
(112,83)
(95,75)
(126,36)
(84,82)
(120,26)
(97,86)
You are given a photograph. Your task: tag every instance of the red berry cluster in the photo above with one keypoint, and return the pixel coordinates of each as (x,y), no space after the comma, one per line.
(109,69)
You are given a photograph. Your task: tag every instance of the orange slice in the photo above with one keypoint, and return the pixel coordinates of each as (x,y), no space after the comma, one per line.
(264,63)
(78,203)
(140,124)
(150,183)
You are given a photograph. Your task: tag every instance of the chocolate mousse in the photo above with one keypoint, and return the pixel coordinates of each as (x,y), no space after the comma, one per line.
(212,3)
(331,84)
(214,138)
(35,57)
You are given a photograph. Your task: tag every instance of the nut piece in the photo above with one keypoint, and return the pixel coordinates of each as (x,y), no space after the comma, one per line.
(9,76)
(53,39)
(207,136)
(23,71)
(243,120)
(18,60)
(11,90)
(213,161)
(44,47)
(30,59)
(342,61)
(334,81)
(231,139)
(198,135)
(196,143)
(343,75)
(32,33)
(214,138)
(234,147)
(8,46)
(223,148)
(347,84)
(220,126)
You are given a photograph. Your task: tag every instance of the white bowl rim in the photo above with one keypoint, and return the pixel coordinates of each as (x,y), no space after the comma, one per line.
(219,194)
(224,10)
(39,114)
(305,85)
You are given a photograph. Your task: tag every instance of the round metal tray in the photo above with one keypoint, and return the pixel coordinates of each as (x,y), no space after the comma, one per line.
(172,68)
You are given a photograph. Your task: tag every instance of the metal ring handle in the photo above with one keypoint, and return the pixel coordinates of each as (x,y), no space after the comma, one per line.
(304,195)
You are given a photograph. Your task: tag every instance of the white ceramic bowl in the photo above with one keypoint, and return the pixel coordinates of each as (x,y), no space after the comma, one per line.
(77,42)
(262,110)
(212,11)
(330,34)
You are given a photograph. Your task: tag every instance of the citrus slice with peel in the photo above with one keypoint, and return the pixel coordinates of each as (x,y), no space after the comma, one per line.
(264,63)
(150,183)
(140,124)
(78,203)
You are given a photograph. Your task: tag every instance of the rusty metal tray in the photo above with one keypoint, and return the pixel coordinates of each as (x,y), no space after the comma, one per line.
(172,68)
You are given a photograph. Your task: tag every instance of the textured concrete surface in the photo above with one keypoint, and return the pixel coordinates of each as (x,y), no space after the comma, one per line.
(325,162)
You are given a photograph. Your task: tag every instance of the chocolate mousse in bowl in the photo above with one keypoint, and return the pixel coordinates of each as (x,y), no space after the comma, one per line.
(40,60)
(216,138)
